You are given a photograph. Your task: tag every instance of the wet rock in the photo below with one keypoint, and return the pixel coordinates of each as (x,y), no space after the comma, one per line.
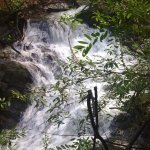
(4,54)
(47,59)
(51,60)
(57,70)
(13,76)
(56,7)
(35,57)
(124,127)
(28,47)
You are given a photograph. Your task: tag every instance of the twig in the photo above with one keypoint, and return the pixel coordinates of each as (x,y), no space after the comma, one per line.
(15,49)
(73,54)
(17,25)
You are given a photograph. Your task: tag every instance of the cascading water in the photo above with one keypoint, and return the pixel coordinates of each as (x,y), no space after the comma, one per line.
(44,47)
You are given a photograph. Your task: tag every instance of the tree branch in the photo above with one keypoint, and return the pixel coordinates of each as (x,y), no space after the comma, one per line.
(96,133)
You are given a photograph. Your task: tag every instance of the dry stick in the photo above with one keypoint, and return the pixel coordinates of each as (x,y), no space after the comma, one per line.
(96,134)
(138,133)
(73,54)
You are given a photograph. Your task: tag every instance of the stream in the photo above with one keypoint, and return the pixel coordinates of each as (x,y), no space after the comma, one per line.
(44,49)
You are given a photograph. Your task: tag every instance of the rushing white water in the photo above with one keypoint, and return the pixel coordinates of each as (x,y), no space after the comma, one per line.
(44,47)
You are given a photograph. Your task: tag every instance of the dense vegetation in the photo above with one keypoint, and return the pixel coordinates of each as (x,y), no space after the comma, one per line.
(129,22)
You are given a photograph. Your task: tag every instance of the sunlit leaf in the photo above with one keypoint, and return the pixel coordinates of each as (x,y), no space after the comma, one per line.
(88,37)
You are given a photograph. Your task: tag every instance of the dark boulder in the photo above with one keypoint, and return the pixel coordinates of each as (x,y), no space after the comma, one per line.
(13,76)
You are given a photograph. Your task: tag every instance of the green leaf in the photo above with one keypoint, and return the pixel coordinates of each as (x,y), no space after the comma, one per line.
(79,47)
(129,15)
(63,147)
(103,36)
(95,41)
(82,42)
(88,37)
(95,34)
(115,64)
(110,40)
(85,51)
(80,20)
(120,21)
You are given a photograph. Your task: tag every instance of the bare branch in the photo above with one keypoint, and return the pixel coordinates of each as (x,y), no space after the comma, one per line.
(96,133)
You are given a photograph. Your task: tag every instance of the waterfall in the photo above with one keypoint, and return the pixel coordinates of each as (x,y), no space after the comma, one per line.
(45,46)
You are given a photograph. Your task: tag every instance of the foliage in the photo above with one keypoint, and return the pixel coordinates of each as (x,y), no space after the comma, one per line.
(7,135)
(4,104)
(71,21)
(10,134)
(14,95)
(93,38)
(15,5)
(77,144)
(128,20)
(45,141)
(18,96)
